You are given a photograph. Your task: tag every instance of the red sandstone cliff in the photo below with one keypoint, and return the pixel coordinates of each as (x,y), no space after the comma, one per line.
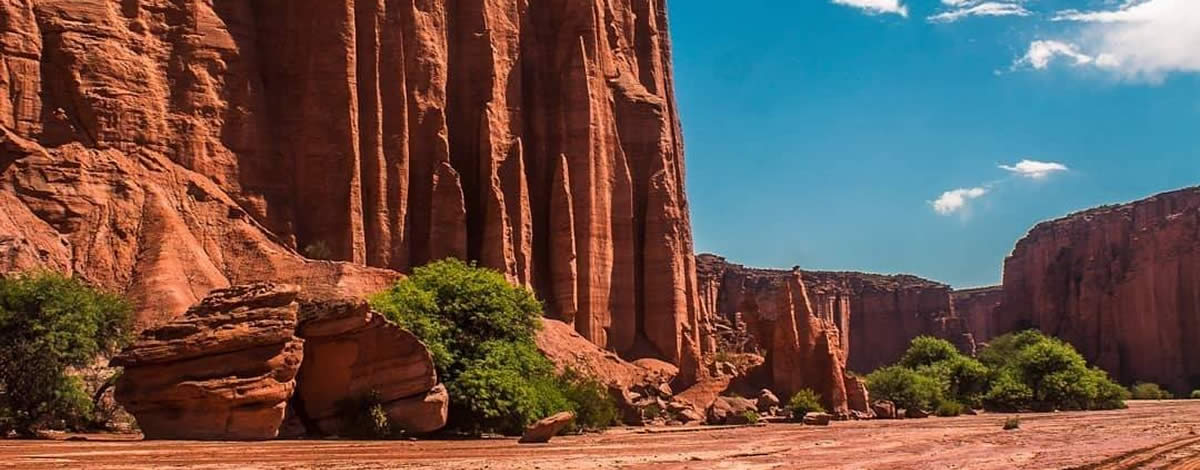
(871,319)
(1121,283)
(170,147)
(978,309)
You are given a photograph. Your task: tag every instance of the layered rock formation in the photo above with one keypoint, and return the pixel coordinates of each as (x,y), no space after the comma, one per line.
(353,352)
(231,366)
(802,344)
(876,316)
(885,313)
(225,370)
(1121,283)
(977,308)
(170,147)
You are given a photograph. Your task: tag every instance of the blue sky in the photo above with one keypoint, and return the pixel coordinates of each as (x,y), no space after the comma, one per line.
(889,135)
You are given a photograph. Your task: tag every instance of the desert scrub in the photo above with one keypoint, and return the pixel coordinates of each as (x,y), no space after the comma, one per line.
(1149,391)
(49,325)
(949,409)
(804,402)
(1196,394)
(750,417)
(480,330)
(364,418)
(1012,423)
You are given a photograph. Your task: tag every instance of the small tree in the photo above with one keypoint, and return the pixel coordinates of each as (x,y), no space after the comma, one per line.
(49,324)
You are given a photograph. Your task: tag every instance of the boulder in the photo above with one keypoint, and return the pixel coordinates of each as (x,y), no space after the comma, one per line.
(352,352)
(916,413)
(542,431)
(223,371)
(817,419)
(858,398)
(730,410)
(767,401)
(884,409)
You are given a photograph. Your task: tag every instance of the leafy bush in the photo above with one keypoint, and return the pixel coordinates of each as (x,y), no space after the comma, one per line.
(1149,391)
(804,402)
(948,409)
(927,351)
(1012,423)
(750,417)
(905,387)
(594,408)
(1033,371)
(1196,394)
(480,330)
(50,324)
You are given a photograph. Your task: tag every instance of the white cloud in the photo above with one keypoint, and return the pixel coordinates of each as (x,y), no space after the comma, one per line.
(1034,169)
(1042,53)
(956,200)
(876,7)
(1143,40)
(965,8)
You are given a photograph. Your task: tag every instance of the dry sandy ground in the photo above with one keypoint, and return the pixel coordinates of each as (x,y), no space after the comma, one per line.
(1149,435)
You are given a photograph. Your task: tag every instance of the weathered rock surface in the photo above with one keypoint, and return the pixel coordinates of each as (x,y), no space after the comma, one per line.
(978,309)
(542,431)
(817,419)
(813,325)
(352,352)
(884,409)
(224,370)
(730,410)
(183,146)
(232,366)
(1121,283)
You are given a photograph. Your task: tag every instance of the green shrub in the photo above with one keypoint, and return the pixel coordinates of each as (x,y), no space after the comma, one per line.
(905,387)
(594,408)
(948,409)
(961,378)
(1196,394)
(1033,371)
(804,402)
(480,330)
(927,351)
(1149,391)
(1012,423)
(750,417)
(49,324)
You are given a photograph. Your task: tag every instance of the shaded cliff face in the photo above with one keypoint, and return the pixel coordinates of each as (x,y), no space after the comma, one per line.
(978,309)
(539,138)
(1121,283)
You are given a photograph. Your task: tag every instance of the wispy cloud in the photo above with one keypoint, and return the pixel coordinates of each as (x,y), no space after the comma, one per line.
(956,200)
(876,7)
(1042,53)
(966,8)
(1143,40)
(1034,169)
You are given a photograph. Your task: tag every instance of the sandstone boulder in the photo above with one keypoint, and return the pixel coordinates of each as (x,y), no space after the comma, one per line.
(915,413)
(858,398)
(223,371)
(767,401)
(351,352)
(884,409)
(730,410)
(817,419)
(542,431)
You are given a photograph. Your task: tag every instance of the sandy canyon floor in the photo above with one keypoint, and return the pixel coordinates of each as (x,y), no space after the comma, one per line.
(1149,435)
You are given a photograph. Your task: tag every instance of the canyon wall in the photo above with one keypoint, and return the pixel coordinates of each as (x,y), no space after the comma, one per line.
(978,309)
(815,326)
(166,148)
(1121,283)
